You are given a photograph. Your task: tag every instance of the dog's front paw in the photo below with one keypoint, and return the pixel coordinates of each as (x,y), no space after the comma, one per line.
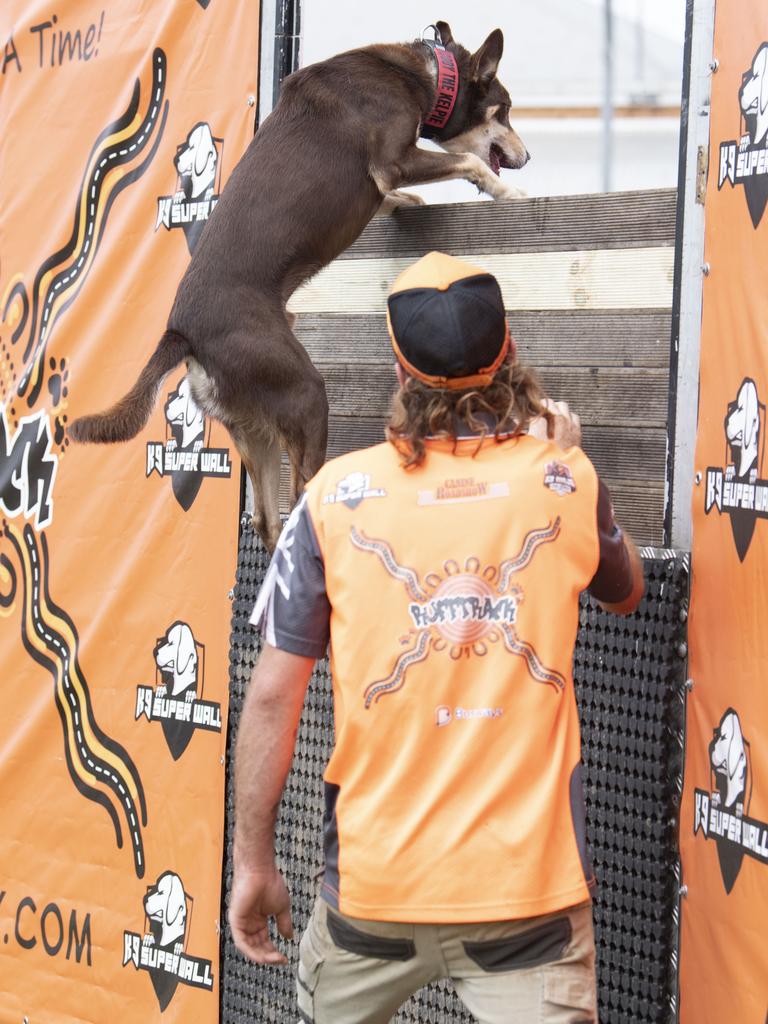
(178,949)
(148,940)
(179,198)
(190,696)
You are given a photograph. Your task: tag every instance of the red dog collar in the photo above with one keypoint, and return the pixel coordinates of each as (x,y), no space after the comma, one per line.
(447,85)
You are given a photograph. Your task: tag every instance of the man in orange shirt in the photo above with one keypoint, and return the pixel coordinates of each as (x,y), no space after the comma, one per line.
(445,567)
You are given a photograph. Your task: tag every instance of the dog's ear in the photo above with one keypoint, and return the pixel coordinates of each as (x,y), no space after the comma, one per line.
(177,901)
(204,149)
(185,649)
(735,747)
(445,32)
(764,80)
(485,63)
(751,414)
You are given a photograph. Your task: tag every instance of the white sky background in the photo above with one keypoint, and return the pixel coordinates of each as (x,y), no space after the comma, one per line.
(666,17)
(553,55)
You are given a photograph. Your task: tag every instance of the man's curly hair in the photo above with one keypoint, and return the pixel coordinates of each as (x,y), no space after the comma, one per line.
(513,398)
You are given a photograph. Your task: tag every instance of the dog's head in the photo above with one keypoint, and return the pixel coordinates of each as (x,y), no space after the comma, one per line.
(196,161)
(184,416)
(176,655)
(753,96)
(166,907)
(742,427)
(728,757)
(480,120)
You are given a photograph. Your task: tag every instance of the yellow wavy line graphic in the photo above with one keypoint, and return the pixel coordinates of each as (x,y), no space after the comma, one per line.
(117,159)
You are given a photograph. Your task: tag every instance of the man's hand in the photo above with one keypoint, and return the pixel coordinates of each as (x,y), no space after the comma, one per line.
(567,425)
(265,742)
(257,896)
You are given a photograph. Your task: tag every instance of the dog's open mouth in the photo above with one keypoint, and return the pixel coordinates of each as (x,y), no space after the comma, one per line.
(497,159)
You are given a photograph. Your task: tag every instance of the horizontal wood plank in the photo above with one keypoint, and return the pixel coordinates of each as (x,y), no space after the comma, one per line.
(639,508)
(553,337)
(632,453)
(596,279)
(620,220)
(601,395)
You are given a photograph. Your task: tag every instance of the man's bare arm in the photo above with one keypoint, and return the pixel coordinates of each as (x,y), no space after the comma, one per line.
(566,432)
(265,746)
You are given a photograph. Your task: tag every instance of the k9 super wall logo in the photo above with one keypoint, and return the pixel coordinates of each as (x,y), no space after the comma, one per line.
(162,949)
(176,700)
(198,168)
(739,488)
(721,812)
(185,455)
(745,162)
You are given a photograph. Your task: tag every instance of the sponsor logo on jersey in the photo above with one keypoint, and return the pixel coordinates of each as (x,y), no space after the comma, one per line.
(354,488)
(558,478)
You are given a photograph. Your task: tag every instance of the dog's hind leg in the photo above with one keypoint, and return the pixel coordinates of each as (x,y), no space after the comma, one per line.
(304,427)
(261,457)
(397,200)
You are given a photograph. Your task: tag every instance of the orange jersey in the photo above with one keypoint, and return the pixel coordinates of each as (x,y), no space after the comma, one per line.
(453,793)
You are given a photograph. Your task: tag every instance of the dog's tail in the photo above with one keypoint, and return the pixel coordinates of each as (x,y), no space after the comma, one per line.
(127,417)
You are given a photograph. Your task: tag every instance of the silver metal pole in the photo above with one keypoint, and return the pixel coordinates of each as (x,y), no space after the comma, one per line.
(608,97)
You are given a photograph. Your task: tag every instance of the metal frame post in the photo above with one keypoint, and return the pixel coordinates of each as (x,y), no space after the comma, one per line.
(608,97)
(689,270)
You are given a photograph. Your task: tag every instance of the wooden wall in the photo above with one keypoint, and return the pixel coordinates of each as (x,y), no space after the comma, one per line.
(587,282)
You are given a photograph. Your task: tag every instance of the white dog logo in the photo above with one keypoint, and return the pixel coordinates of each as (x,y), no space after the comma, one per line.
(742,427)
(176,654)
(196,161)
(352,487)
(753,95)
(728,757)
(182,413)
(166,906)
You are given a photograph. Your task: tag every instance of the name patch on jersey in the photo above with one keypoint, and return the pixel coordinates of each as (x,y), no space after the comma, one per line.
(461,489)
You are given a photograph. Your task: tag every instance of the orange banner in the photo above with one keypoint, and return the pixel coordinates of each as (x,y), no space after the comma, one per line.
(724,822)
(119,124)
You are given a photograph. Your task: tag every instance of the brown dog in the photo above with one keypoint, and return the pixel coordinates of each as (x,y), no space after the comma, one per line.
(340,141)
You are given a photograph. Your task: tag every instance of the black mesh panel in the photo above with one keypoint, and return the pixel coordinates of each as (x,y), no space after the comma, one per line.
(629,676)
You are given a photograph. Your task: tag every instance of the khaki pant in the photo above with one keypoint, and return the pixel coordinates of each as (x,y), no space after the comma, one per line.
(537,971)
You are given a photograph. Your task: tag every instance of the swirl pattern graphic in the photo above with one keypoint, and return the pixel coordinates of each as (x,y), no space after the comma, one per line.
(456,600)
(386,555)
(533,539)
(539,672)
(396,678)
(99,767)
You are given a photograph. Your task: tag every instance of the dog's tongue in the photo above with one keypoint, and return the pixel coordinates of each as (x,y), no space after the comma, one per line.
(494,158)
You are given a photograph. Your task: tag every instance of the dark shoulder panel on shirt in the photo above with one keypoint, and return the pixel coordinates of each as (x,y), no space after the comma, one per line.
(612,582)
(292,610)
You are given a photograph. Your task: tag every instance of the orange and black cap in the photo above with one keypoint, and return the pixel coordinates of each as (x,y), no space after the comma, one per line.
(447,324)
